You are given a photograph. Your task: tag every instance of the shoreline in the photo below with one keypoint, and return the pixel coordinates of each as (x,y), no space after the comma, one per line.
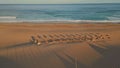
(63,22)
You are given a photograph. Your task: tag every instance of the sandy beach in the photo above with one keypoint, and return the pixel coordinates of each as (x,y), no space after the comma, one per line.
(17,50)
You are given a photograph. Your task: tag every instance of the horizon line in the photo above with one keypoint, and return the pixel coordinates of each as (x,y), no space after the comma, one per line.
(65,3)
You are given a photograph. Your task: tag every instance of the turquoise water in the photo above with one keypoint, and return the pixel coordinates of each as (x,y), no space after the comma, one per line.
(61,12)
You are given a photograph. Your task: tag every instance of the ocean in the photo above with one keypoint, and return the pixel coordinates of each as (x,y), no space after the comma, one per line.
(59,12)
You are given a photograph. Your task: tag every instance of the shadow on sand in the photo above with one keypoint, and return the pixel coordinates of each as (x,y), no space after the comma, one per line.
(7,63)
(98,49)
(71,63)
(17,45)
(110,59)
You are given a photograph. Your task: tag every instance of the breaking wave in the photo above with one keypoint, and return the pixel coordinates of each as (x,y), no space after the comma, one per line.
(60,21)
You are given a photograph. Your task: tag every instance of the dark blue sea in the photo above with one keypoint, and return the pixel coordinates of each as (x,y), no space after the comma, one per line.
(60,12)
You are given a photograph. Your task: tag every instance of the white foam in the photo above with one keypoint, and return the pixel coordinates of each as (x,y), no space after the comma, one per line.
(61,21)
(114,18)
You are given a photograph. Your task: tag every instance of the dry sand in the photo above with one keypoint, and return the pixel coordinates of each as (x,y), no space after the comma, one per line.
(16,51)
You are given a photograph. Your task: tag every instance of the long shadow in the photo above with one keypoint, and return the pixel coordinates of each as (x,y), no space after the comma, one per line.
(100,50)
(70,58)
(111,59)
(7,63)
(79,65)
(17,45)
(65,62)
(69,64)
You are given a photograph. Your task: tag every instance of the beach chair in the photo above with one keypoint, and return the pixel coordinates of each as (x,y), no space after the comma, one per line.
(65,38)
(89,37)
(56,38)
(41,40)
(50,39)
(47,39)
(33,40)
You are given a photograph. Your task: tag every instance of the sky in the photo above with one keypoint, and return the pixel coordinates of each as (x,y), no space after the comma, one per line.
(56,1)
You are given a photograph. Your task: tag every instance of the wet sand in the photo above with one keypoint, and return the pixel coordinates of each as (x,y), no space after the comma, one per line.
(17,51)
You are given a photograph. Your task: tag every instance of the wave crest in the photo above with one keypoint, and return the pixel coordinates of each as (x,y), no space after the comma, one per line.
(61,21)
